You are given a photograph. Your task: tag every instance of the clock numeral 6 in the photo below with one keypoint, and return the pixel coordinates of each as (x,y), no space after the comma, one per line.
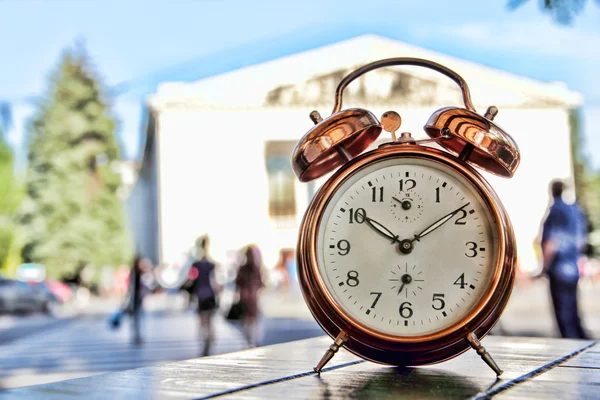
(352,280)
(439,297)
(357,215)
(344,247)
(406,310)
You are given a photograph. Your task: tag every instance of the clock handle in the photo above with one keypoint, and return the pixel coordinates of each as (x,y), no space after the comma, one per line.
(388,62)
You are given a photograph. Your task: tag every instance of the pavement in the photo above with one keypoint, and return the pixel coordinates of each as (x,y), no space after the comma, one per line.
(16,327)
(85,345)
(38,349)
(529,311)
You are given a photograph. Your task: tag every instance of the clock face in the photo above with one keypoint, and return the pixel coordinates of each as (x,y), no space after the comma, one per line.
(407,246)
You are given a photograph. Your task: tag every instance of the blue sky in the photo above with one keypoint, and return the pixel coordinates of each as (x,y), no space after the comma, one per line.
(145,42)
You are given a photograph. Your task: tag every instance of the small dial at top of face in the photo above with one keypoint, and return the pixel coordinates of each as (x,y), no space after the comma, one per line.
(407,204)
(407,277)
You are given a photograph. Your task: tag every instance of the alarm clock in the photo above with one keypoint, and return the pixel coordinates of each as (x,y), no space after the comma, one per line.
(406,255)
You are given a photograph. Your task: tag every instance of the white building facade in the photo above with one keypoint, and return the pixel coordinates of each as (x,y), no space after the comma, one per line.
(217,156)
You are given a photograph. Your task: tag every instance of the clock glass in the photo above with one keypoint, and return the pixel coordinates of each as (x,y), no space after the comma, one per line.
(407,246)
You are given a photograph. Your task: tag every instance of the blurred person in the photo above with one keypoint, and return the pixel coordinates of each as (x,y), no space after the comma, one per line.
(136,295)
(564,234)
(205,289)
(121,277)
(280,274)
(248,283)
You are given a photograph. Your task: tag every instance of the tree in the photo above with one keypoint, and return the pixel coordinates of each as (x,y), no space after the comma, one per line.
(580,160)
(71,214)
(587,181)
(562,11)
(8,200)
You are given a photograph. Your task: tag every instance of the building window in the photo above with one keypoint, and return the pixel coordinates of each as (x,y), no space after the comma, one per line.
(282,194)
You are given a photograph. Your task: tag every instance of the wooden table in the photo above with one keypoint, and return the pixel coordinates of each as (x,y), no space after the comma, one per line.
(533,368)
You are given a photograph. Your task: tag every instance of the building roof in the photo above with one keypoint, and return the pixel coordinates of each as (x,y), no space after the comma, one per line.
(250,87)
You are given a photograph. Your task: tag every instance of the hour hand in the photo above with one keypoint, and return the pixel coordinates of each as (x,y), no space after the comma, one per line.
(401,287)
(382,230)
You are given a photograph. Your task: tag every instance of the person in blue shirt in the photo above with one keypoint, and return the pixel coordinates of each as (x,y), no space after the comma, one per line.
(564,234)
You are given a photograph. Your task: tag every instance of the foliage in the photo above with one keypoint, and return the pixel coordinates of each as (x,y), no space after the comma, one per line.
(580,161)
(71,215)
(587,181)
(562,11)
(8,200)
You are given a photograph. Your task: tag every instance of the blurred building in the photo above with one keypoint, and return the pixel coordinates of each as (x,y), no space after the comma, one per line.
(217,153)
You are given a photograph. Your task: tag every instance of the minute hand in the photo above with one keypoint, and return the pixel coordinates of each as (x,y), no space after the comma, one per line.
(438,223)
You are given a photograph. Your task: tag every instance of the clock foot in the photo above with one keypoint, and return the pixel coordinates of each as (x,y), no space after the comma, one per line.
(335,346)
(476,344)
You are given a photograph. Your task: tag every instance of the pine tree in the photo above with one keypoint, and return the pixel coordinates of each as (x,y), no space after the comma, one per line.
(72,215)
(8,200)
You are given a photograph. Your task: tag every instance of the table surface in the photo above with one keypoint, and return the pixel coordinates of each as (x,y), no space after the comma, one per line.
(533,368)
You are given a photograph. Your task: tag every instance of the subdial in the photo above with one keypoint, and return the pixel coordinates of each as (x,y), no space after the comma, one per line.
(407,206)
(406,281)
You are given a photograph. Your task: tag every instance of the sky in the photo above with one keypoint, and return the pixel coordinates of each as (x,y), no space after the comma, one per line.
(135,45)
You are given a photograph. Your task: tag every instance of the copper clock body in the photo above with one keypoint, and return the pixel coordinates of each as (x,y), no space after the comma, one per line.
(470,140)
(386,348)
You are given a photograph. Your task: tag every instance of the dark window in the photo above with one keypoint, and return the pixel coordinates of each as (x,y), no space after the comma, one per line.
(282,194)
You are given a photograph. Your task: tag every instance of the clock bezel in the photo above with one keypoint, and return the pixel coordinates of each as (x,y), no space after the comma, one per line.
(405,350)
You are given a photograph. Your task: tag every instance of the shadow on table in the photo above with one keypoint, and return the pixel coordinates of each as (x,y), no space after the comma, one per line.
(397,382)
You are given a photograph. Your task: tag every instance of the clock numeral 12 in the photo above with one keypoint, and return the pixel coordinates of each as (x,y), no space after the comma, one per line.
(410,184)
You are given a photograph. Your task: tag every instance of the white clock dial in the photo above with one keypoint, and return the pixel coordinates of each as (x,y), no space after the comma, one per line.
(407,246)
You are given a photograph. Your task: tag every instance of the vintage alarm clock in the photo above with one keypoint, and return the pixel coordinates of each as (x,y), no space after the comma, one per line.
(406,255)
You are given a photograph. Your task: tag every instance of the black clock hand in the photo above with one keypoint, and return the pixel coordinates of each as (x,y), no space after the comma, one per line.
(401,287)
(406,204)
(438,223)
(382,230)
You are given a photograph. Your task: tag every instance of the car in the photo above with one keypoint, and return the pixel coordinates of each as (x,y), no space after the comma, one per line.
(49,296)
(21,297)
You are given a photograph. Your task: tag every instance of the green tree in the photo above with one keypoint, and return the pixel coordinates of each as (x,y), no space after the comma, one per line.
(71,214)
(562,11)
(8,200)
(580,161)
(587,181)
